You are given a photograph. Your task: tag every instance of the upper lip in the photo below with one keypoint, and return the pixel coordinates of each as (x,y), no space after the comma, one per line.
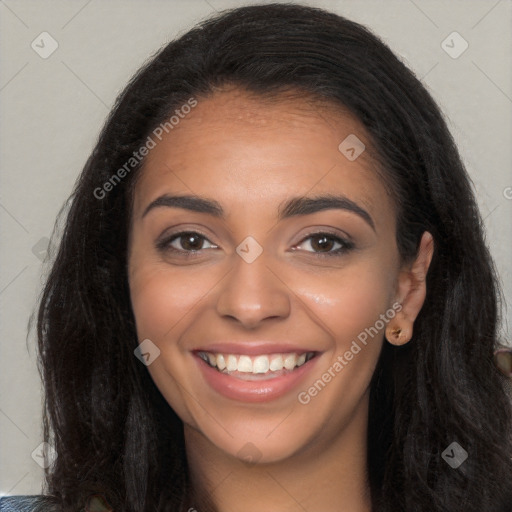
(253,348)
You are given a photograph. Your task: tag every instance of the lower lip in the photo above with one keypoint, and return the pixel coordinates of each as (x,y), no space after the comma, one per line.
(256,390)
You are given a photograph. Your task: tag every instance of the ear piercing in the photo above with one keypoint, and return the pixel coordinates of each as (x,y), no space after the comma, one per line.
(396,332)
(397,336)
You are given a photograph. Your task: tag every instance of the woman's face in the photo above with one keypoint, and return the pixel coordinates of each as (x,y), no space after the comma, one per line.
(267,275)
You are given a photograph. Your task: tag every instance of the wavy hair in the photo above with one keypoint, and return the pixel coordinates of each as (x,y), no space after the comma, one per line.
(112,430)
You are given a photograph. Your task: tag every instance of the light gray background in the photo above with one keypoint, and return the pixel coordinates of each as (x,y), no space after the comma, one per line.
(52,109)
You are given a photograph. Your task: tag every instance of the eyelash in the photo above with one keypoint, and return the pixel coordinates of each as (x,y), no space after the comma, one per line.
(346,245)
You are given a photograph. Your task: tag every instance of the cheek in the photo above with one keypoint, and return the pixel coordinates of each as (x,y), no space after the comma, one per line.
(348,301)
(163,302)
(349,306)
(353,306)
(161,299)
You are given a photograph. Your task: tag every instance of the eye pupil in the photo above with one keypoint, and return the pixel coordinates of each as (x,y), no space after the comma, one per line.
(191,241)
(324,243)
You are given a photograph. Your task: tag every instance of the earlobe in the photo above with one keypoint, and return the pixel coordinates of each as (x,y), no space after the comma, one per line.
(411,293)
(398,335)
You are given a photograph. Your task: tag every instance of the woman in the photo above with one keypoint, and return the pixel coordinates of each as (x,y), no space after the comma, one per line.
(272,290)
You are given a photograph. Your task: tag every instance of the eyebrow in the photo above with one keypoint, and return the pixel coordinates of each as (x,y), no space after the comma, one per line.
(293,207)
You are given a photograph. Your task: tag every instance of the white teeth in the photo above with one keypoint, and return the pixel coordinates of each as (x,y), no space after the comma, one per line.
(245,364)
(261,364)
(276,363)
(231,363)
(290,361)
(221,363)
(257,364)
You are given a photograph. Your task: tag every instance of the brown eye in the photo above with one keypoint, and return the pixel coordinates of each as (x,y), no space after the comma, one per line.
(322,243)
(325,244)
(191,241)
(185,242)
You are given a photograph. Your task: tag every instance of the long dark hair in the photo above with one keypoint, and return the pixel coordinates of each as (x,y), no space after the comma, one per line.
(114,433)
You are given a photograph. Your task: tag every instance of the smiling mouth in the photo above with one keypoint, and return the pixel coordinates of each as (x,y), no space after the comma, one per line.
(256,367)
(254,376)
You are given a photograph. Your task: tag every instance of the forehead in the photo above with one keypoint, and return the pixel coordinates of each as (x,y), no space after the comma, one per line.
(243,149)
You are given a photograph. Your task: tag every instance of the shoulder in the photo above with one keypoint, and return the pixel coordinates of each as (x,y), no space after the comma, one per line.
(38,503)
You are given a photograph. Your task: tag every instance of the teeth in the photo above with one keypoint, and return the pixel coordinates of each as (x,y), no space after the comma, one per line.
(276,363)
(221,362)
(257,364)
(231,363)
(261,365)
(245,364)
(290,361)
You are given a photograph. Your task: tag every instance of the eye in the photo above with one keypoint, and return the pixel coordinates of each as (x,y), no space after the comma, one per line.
(325,244)
(185,242)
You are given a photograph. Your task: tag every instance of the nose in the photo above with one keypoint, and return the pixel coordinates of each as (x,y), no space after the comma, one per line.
(252,293)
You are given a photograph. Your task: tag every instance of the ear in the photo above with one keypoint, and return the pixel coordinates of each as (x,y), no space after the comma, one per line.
(411,293)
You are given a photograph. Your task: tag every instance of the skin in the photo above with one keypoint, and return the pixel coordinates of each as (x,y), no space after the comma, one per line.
(251,155)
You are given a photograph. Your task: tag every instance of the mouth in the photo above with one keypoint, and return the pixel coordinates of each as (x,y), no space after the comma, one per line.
(255,377)
(259,367)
